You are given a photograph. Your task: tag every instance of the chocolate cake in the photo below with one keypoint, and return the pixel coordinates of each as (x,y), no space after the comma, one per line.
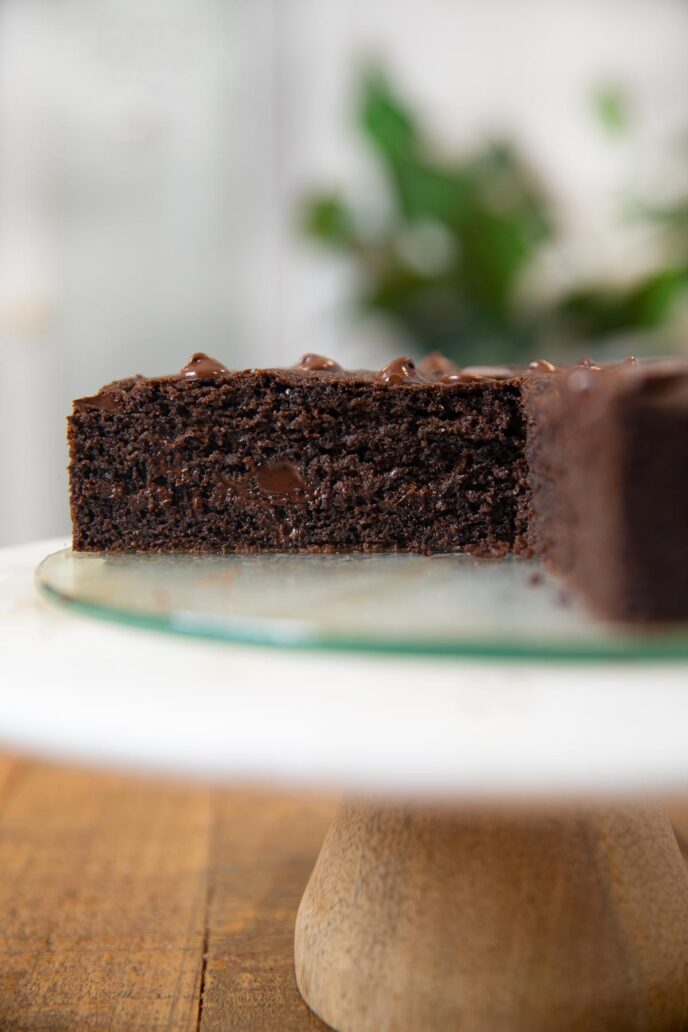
(608,455)
(581,466)
(305,459)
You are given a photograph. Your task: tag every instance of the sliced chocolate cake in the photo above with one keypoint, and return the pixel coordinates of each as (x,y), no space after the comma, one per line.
(607,451)
(585,467)
(305,459)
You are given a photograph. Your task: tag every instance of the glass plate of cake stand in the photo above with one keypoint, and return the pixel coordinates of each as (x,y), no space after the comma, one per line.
(499,862)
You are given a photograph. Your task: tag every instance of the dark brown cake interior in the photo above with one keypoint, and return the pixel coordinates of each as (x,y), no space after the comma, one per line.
(300,460)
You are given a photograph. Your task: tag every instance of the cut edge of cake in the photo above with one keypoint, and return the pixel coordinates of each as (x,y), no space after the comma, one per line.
(581,466)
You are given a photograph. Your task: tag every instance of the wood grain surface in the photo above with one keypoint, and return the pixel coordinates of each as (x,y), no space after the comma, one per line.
(127,904)
(131,904)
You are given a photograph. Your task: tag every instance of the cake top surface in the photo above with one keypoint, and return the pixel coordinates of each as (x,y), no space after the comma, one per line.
(435,370)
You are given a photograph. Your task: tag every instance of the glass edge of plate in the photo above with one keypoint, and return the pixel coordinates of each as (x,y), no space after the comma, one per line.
(188,626)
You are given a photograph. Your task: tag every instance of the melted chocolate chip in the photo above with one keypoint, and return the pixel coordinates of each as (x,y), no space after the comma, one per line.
(318,363)
(277,483)
(107,400)
(541,365)
(202,367)
(280,480)
(399,370)
(437,365)
(587,363)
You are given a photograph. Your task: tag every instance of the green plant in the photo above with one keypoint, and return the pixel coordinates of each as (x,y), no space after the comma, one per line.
(446,264)
(599,309)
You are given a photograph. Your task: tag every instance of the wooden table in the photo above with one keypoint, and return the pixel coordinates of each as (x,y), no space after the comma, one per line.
(132,904)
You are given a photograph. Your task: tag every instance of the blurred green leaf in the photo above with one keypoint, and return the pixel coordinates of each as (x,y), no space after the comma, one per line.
(328,219)
(389,125)
(612,109)
(643,305)
(424,191)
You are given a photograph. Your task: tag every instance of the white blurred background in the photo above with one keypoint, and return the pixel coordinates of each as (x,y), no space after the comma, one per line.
(153,154)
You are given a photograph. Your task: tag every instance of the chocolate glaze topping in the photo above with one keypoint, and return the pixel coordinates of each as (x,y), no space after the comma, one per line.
(107,400)
(201,367)
(587,363)
(460,376)
(541,365)
(437,365)
(399,370)
(435,368)
(490,372)
(318,363)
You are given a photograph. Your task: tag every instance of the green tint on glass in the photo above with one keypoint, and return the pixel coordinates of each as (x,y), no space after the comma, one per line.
(445,605)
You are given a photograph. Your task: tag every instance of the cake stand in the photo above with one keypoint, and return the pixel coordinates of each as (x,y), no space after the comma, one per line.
(499,863)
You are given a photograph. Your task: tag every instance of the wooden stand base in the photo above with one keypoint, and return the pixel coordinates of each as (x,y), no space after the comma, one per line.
(429,921)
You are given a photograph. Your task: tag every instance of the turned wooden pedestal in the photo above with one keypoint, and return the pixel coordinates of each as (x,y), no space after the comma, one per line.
(433,921)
